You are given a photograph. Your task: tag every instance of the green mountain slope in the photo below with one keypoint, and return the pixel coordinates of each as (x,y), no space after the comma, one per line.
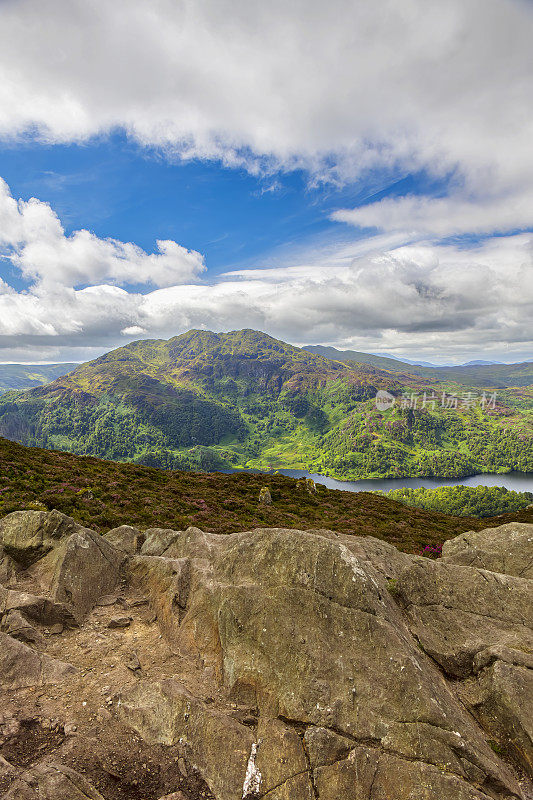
(208,401)
(103,494)
(24,376)
(496,376)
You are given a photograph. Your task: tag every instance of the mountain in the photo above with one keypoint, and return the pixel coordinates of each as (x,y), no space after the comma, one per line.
(419,363)
(204,400)
(390,363)
(403,360)
(485,375)
(479,363)
(24,376)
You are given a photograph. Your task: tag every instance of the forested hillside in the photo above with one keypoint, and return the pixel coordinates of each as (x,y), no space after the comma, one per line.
(465,501)
(213,401)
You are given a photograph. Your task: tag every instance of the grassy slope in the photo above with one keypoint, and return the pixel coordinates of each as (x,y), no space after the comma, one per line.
(25,376)
(246,399)
(105,494)
(482,376)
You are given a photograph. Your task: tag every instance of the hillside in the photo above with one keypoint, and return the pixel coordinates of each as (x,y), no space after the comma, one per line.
(495,376)
(212,401)
(101,494)
(24,376)
(464,501)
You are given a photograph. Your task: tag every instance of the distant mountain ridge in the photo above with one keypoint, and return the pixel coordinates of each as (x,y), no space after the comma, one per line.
(480,363)
(483,374)
(205,400)
(25,376)
(416,363)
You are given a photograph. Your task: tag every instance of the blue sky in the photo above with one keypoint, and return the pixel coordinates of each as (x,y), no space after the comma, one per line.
(329,173)
(117,189)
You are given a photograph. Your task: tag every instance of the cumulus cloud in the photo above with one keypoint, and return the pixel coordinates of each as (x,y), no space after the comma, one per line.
(424,299)
(341,89)
(336,87)
(32,237)
(133,330)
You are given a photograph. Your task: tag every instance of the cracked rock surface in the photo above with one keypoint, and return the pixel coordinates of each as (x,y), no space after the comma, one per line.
(280,664)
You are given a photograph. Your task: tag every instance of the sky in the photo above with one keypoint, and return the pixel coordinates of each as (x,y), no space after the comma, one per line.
(347,173)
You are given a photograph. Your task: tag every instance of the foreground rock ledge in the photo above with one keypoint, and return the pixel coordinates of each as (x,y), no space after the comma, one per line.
(271,663)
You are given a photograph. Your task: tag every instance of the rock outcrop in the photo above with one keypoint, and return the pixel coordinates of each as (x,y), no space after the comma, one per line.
(52,782)
(22,666)
(507,549)
(457,613)
(27,536)
(125,538)
(274,663)
(79,570)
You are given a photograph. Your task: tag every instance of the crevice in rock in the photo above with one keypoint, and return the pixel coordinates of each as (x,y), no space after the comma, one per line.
(330,599)
(277,786)
(526,568)
(491,783)
(455,609)
(310,768)
(372,782)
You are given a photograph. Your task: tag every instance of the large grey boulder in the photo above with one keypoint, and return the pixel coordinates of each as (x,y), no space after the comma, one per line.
(501,698)
(369,773)
(165,583)
(16,625)
(22,667)
(27,536)
(125,538)
(51,781)
(457,611)
(72,563)
(507,549)
(156,540)
(478,626)
(38,608)
(8,566)
(214,742)
(384,557)
(304,633)
(81,569)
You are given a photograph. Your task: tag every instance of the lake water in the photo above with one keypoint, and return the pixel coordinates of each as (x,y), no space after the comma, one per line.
(518,481)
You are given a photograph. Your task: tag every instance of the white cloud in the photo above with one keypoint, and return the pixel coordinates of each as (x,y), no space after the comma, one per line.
(133,330)
(441,302)
(336,87)
(440,217)
(340,89)
(32,236)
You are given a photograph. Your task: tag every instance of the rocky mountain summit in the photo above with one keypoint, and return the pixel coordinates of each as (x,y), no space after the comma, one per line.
(273,663)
